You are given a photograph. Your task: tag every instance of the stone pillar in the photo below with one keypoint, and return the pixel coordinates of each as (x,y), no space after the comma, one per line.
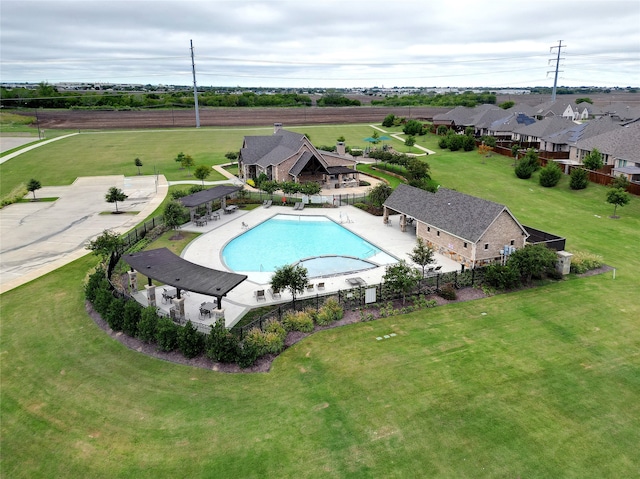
(179,303)
(563,265)
(403,223)
(385,215)
(133,281)
(151,294)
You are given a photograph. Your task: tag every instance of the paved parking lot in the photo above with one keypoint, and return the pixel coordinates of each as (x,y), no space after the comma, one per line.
(39,237)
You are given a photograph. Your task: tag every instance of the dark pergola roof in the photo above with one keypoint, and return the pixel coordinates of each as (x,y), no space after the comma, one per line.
(205,196)
(334,170)
(161,264)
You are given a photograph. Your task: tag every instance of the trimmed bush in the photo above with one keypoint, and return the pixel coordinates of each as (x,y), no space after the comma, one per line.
(222,345)
(579,179)
(581,262)
(190,341)
(115,312)
(166,335)
(132,312)
(550,175)
(501,277)
(331,311)
(148,324)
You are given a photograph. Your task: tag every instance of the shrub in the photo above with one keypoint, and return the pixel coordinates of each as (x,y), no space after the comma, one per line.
(148,324)
(550,175)
(247,354)
(443,143)
(103,300)
(265,342)
(333,308)
(448,292)
(579,179)
(581,262)
(190,341)
(166,335)
(468,143)
(524,170)
(221,345)
(132,311)
(298,321)
(501,277)
(115,313)
(96,281)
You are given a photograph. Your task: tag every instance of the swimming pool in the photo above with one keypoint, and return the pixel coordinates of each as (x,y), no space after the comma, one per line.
(321,245)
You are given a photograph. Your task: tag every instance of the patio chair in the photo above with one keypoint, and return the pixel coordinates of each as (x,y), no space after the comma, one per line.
(297,206)
(268,203)
(301,207)
(259,294)
(275,293)
(245,226)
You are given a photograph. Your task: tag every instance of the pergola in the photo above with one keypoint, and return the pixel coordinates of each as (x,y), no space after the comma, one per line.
(163,265)
(207,197)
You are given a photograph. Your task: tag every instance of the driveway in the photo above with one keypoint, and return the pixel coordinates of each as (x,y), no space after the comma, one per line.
(39,237)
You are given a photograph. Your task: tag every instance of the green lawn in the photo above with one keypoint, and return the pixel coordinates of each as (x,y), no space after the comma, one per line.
(545,384)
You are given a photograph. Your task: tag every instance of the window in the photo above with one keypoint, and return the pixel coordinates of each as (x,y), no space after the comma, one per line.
(428,228)
(486,246)
(513,242)
(437,233)
(465,244)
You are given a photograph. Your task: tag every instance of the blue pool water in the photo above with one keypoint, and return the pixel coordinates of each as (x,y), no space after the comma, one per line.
(324,246)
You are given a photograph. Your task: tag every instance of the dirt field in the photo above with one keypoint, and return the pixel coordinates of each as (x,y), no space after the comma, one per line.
(92,120)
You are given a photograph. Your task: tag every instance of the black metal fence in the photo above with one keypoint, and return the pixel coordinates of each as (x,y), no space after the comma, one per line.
(132,237)
(321,200)
(356,297)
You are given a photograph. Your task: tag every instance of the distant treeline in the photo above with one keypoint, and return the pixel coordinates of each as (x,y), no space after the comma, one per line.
(467,98)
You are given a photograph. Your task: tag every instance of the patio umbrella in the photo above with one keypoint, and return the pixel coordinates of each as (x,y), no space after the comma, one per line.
(370,140)
(384,138)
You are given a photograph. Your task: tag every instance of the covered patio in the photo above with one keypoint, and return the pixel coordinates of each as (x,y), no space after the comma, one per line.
(182,276)
(208,197)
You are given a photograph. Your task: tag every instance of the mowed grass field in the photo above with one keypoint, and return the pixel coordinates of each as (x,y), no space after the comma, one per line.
(541,383)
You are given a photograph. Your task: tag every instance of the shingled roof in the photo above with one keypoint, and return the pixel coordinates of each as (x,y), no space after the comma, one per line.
(461,215)
(210,194)
(270,150)
(622,143)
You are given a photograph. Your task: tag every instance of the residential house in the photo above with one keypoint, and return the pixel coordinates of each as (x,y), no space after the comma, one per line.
(562,108)
(621,112)
(467,229)
(619,147)
(533,132)
(564,140)
(289,156)
(504,128)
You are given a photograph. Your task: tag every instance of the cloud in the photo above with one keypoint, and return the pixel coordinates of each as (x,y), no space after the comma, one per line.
(323,43)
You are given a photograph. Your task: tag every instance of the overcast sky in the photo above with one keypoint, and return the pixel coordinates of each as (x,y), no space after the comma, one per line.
(322,43)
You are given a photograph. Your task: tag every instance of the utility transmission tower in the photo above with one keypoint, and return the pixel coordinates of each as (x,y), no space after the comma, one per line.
(195,88)
(557,60)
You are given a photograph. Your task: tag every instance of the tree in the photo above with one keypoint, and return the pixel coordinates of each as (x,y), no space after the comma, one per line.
(179,157)
(550,175)
(33,185)
(579,179)
(412,127)
(310,188)
(468,143)
(269,186)
(584,100)
(593,161)
(527,165)
(388,120)
(505,105)
(401,278)
(202,172)
(231,156)
(138,163)
(422,255)
(375,136)
(187,162)
(417,169)
(442,130)
(617,197)
(620,181)
(106,244)
(410,141)
(532,261)
(174,214)
(379,194)
(293,278)
(114,195)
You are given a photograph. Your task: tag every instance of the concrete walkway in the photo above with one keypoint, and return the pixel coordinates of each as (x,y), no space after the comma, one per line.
(30,147)
(399,138)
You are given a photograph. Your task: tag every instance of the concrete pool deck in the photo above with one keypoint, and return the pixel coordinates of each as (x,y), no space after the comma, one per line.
(206,250)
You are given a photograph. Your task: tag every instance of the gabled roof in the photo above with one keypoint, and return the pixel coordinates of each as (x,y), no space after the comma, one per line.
(486,118)
(302,161)
(461,215)
(271,150)
(464,116)
(546,126)
(622,143)
(582,131)
(511,122)
(557,108)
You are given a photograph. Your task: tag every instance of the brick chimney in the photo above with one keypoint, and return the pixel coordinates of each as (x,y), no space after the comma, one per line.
(340,148)
(277,127)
